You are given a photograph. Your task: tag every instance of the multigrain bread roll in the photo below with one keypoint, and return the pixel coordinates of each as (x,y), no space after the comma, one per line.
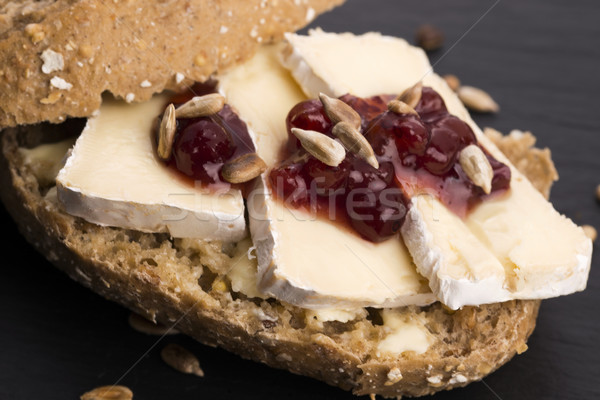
(58,57)
(56,60)
(170,280)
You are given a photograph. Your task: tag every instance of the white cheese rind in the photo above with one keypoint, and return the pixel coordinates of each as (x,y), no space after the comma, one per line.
(113,178)
(540,252)
(460,270)
(303,260)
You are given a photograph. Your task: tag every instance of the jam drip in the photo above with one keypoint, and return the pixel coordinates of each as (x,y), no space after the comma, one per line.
(417,154)
(202,145)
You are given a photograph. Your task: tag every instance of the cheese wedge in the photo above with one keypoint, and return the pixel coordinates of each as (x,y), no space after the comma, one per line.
(514,247)
(114,178)
(303,260)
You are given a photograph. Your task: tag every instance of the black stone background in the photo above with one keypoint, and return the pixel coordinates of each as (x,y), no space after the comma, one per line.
(538,58)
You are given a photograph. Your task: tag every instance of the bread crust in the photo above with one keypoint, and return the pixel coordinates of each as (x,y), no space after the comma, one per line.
(58,57)
(468,344)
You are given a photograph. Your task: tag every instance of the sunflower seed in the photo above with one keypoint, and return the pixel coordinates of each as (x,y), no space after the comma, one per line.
(429,38)
(477,100)
(452,81)
(322,147)
(412,95)
(181,359)
(108,393)
(477,167)
(355,142)
(400,107)
(142,325)
(201,106)
(243,169)
(590,232)
(338,111)
(166,133)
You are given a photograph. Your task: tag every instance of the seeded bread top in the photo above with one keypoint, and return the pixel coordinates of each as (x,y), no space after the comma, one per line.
(57,57)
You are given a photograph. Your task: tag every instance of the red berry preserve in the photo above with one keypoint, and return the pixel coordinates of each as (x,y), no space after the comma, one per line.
(417,154)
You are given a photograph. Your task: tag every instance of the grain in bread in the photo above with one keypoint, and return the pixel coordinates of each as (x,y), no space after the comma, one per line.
(170,280)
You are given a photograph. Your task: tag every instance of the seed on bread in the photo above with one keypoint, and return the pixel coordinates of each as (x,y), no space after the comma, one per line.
(590,232)
(180,359)
(320,146)
(429,37)
(477,167)
(452,81)
(400,107)
(166,133)
(478,100)
(339,111)
(243,168)
(201,106)
(355,142)
(412,95)
(108,393)
(142,325)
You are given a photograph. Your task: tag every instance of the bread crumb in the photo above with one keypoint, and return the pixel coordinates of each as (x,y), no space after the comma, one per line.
(484,368)
(254,31)
(145,84)
(179,77)
(458,378)
(284,357)
(35,32)
(200,60)
(129,97)
(522,348)
(52,98)
(53,61)
(435,380)
(86,51)
(393,376)
(590,232)
(310,14)
(223,29)
(60,83)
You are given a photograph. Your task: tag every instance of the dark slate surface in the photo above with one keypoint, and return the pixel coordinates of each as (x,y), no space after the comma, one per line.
(538,58)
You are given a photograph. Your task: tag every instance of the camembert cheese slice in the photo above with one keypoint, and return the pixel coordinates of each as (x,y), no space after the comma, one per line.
(513,247)
(114,178)
(303,260)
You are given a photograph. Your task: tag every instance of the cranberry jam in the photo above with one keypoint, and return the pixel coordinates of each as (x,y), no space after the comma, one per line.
(417,154)
(202,145)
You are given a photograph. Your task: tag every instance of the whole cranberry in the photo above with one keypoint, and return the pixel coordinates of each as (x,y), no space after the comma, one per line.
(377,216)
(409,131)
(308,115)
(462,131)
(324,178)
(201,148)
(369,108)
(431,106)
(289,185)
(441,153)
(375,205)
